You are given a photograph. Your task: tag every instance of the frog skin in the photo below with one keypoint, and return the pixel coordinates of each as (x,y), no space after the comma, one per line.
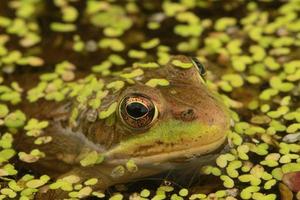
(183,119)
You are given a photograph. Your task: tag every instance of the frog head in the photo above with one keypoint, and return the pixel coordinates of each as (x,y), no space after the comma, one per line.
(179,118)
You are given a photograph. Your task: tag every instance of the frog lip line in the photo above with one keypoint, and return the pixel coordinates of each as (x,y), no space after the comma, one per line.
(162,157)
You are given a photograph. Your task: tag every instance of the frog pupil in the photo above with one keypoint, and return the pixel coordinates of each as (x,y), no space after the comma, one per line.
(136,109)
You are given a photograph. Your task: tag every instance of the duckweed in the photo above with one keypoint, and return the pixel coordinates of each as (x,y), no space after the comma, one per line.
(248,192)
(223,160)
(91,158)
(6,141)
(131,166)
(6,154)
(84,192)
(133,74)
(232,168)
(8,170)
(62,27)
(36,183)
(183,192)
(155,82)
(118,171)
(31,157)
(234,79)
(146,65)
(91,181)
(3,110)
(116,85)
(145,193)
(150,44)
(111,109)
(181,64)
(227,181)
(98,194)
(113,44)
(15,119)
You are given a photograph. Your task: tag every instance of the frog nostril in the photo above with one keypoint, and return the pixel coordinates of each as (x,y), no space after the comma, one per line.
(188,115)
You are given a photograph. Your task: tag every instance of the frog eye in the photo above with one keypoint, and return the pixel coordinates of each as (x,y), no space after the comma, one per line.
(199,66)
(137,111)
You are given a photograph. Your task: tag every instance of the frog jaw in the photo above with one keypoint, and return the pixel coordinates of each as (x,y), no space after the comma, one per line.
(168,141)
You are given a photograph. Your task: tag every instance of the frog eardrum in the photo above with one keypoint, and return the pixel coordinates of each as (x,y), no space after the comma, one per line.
(137,111)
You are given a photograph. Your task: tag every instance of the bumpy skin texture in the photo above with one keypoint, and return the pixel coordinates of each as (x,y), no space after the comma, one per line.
(191,122)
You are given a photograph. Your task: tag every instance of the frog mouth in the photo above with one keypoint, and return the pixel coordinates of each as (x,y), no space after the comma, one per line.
(180,155)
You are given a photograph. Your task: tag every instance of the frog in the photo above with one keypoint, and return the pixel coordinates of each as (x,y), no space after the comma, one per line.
(156,120)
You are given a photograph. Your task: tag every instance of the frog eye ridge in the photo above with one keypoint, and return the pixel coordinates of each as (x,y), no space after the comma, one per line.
(137,111)
(199,65)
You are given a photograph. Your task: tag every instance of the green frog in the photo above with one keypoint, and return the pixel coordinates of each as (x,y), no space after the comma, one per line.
(151,116)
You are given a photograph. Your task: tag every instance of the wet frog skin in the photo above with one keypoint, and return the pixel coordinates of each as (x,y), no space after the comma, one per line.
(154,119)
